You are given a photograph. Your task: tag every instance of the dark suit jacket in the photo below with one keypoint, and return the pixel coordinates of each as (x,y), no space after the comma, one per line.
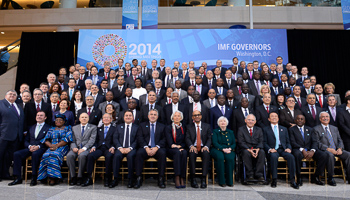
(11,124)
(144,135)
(180,136)
(343,118)
(102,93)
(258,101)
(270,139)
(262,115)
(124,104)
(245,141)
(205,83)
(144,113)
(109,137)
(233,84)
(30,113)
(118,138)
(238,119)
(236,90)
(81,85)
(215,113)
(299,81)
(286,117)
(279,90)
(324,102)
(191,135)
(205,113)
(168,111)
(99,99)
(94,117)
(137,118)
(304,93)
(117,96)
(251,99)
(252,87)
(224,91)
(309,120)
(30,137)
(186,84)
(130,83)
(302,101)
(297,141)
(332,121)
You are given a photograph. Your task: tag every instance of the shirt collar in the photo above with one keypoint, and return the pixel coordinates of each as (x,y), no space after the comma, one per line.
(42,124)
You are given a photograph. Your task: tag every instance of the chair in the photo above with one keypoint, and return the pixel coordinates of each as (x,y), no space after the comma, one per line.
(28,168)
(154,170)
(310,167)
(241,167)
(214,173)
(199,159)
(100,169)
(15,5)
(341,167)
(283,170)
(47,4)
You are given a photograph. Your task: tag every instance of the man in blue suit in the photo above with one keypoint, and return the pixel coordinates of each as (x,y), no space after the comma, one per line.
(96,80)
(125,140)
(276,144)
(220,110)
(33,147)
(11,132)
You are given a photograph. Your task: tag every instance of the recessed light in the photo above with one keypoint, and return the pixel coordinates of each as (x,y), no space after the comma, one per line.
(3,33)
(54,31)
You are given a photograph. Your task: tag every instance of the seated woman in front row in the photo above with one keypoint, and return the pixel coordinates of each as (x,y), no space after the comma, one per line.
(57,139)
(223,152)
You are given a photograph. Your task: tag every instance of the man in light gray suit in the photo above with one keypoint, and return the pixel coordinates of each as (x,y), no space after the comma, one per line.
(109,100)
(211,101)
(112,81)
(330,142)
(84,136)
(178,89)
(175,74)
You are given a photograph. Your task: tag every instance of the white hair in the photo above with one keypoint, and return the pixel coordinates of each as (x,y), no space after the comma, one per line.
(222,118)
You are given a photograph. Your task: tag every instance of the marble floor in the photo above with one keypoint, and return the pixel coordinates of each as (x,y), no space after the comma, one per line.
(149,190)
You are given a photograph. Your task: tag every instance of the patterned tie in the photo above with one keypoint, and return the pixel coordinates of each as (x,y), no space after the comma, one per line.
(157,91)
(153,144)
(245,113)
(195,107)
(54,108)
(126,143)
(330,139)
(37,108)
(320,100)
(37,130)
(70,94)
(198,139)
(222,110)
(302,133)
(192,83)
(313,112)
(275,131)
(81,77)
(250,75)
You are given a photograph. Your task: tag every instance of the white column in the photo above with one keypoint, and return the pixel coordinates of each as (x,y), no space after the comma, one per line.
(68,4)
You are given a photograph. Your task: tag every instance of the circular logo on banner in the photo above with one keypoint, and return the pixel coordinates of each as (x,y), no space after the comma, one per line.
(109,48)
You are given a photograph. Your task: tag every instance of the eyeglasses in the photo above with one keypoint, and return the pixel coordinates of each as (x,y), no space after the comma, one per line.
(38,94)
(197,115)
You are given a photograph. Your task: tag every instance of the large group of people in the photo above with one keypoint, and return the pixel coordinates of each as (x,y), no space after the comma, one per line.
(252,112)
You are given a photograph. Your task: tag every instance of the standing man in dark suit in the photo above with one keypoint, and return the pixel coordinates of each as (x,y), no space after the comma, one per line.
(197,105)
(32,147)
(329,141)
(169,109)
(237,89)
(276,143)
(104,88)
(343,118)
(126,142)
(307,88)
(119,90)
(245,93)
(220,110)
(198,140)
(130,81)
(203,90)
(152,142)
(209,80)
(109,100)
(275,88)
(289,113)
(333,110)
(132,103)
(112,81)
(251,144)
(299,101)
(150,106)
(219,89)
(94,113)
(229,83)
(305,145)
(124,101)
(311,111)
(321,100)
(32,108)
(79,83)
(262,112)
(11,132)
(98,98)
(239,115)
(255,84)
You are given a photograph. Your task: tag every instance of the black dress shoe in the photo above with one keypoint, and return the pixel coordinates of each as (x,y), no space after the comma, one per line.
(203,183)
(73,181)
(274,183)
(161,183)
(15,182)
(332,182)
(300,182)
(294,185)
(114,183)
(317,181)
(43,181)
(250,178)
(130,184)
(194,183)
(87,182)
(261,178)
(106,182)
(222,185)
(33,182)
(79,181)
(138,182)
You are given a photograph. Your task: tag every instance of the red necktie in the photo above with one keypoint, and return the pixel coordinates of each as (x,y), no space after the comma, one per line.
(267,109)
(37,108)
(169,101)
(239,89)
(205,73)
(192,83)
(106,76)
(251,132)
(134,78)
(81,77)
(320,100)
(299,103)
(89,112)
(198,139)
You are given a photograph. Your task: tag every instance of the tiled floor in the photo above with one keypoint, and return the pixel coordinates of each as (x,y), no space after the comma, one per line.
(149,190)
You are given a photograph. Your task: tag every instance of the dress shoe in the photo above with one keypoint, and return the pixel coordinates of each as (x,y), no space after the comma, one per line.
(261,178)
(332,182)
(203,183)
(15,182)
(87,182)
(53,182)
(194,183)
(222,185)
(33,182)
(229,185)
(114,183)
(274,183)
(138,182)
(43,181)
(250,178)
(106,182)
(317,181)
(294,185)
(161,183)
(300,181)
(130,183)
(73,181)
(79,181)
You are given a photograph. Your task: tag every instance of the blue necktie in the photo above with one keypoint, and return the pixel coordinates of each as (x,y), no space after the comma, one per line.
(222,110)
(330,139)
(302,133)
(246,112)
(275,131)
(209,84)
(285,85)
(153,144)
(82,134)
(105,133)
(219,90)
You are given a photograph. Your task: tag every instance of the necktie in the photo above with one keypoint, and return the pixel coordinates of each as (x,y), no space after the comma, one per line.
(284,85)
(211,103)
(37,130)
(54,108)
(195,107)
(234,76)
(70,94)
(222,110)
(81,77)
(330,139)
(120,89)
(37,108)
(82,130)
(333,113)
(230,103)
(251,132)
(157,91)
(302,133)
(126,144)
(94,80)
(250,75)
(89,111)
(151,107)
(275,131)
(134,78)
(220,90)
(257,87)
(166,83)
(299,102)
(192,83)
(105,132)
(184,74)
(276,91)
(320,100)
(239,90)
(210,84)
(267,109)
(45,98)
(198,139)
(198,89)
(245,112)
(267,82)
(153,144)
(313,112)
(228,83)
(169,101)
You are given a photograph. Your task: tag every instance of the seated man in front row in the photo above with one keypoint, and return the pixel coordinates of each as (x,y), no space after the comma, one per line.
(33,147)
(276,144)
(330,142)
(251,144)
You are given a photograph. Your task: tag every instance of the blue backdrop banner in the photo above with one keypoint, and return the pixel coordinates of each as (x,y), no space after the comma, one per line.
(345,6)
(149,14)
(130,14)
(183,45)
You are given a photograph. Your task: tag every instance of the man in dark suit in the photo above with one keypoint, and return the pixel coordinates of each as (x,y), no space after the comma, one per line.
(240,114)
(124,101)
(32,108)
(307,88)
(130,81)
(119,90)
(169,109)
(79,83)
(237,89)
(289,113)
(104,146)
(190,81)
(104,72)
(262,112)
(222,69)
(163,102)
(71,88)
(197,105)
(175,77)
(275,88)
(112,81)
(321,100)
(209,80)
(126,142)
(150,106)
(255,84)
(104,88)
(304,74)
(203,90)
(251,144)
(132,104)
(245,93)
(343,118)
(160,91)
(11,132)
(189,98)
(198,140)
(229,83)
(32,147)
(219,89)
(96,80)
(329,141)
(333,110)
(311,111)
(305,145)
(152,142)
(220,110)
(109,100)
(277,143)
(98,98)
(299,101)
(94,113)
